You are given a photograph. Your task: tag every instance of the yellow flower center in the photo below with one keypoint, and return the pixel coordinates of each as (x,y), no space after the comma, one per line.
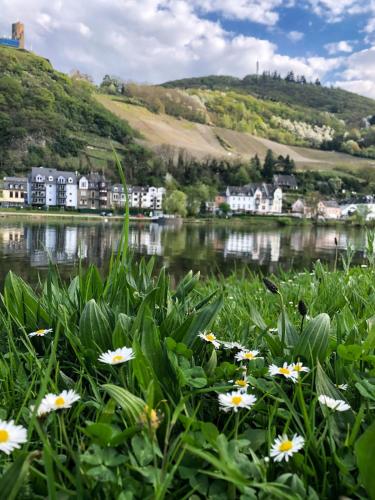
(4,436)
(241,383)
(249,355)
(284,371)
(297,368)
(286,446)
(40,332)
(60,401)
(236,400)
(210,337)
(117,358)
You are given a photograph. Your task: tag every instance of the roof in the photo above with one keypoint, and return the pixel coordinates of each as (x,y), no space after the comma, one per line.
(330,203)
(51,172)
(7,181)
(267,190)
(285,180)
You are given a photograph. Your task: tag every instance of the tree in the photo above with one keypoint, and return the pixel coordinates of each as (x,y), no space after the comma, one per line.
(256,168)
(197,195)
(289,165)
(175,203)
(224,208)
(269,166)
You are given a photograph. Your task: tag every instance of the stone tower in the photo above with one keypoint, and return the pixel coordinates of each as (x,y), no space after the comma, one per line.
(18,33)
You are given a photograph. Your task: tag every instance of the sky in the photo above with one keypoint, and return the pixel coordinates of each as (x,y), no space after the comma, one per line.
(154,41)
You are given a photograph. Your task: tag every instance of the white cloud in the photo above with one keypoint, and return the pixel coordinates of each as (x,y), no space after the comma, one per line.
(295,36)
(336,47)
(153,40)
(259,11)
(336,10)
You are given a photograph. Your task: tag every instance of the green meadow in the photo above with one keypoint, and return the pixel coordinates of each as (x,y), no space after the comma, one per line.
(126,387)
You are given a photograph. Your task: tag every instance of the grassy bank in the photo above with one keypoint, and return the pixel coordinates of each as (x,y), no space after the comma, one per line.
(149,422)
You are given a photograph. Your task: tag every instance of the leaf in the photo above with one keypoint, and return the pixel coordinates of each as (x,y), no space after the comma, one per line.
(256,318)
(94,328)
(200,321)
(365,453)
(100,432)
(350,352)
(132,405)
(14,477)
(121,337)
(313,342)
(291,335)
(369,343)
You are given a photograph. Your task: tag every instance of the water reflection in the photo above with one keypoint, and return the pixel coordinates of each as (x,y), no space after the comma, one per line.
(27,248)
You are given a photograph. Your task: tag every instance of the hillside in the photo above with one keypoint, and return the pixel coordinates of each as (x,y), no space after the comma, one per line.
(350,107)
(166,135)
(47,118)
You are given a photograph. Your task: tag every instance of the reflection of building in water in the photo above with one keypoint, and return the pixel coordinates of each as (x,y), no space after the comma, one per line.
(12,238)
(258,246)
(147,239)
(325,239)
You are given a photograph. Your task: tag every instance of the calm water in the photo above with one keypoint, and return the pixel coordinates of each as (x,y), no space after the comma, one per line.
(27,247)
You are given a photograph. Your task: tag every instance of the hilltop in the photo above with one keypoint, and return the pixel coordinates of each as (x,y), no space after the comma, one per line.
(47,118)
(344,105)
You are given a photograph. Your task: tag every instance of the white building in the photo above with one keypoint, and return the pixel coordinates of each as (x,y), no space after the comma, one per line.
(255,198)
(142,197)
(48,187)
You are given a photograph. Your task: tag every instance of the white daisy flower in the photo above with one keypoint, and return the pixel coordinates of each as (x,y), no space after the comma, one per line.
(343,387)
(298,367)
(236,399)
(210,337)
(40,333)
(233,345)
(247,355)
(241,383)
(53,402)
(273,330)
(118,356)
(364,265)
(333,404)
(285,370)
(283,447)
(11,436)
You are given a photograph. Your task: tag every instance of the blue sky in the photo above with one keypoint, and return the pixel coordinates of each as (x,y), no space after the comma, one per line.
(159,40)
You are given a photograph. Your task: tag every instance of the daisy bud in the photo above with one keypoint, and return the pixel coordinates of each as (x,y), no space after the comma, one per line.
(302,308)
(270,286)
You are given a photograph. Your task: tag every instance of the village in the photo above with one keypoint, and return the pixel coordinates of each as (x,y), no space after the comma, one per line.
(48,188)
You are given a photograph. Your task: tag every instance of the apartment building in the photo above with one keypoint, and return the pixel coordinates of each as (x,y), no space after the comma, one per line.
(142,197)
(48,187)
(93,192)
(13,192)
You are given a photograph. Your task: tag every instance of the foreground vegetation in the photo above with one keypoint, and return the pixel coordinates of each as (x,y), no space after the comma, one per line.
(121,385)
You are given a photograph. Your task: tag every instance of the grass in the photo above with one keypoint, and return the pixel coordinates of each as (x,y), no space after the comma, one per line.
(152,427)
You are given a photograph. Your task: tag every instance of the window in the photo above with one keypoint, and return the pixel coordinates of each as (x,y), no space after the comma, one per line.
(50,178)
(11,194)
(70,180)
(22,195)
(16,194)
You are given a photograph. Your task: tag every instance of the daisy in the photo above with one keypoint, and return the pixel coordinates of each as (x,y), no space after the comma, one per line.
(298,367)
(343,387)
(210,337)
(233,345)
(241,383)
(283,447)
(118,356)
(11,436)
(247,355)
(285,370)
(333,404)
(236,399)
(53,402)
(40,333)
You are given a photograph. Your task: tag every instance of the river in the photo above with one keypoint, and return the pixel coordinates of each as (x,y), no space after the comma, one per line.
(27,247)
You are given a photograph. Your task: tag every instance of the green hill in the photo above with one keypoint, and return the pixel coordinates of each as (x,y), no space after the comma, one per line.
(47,118)
(350,107)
